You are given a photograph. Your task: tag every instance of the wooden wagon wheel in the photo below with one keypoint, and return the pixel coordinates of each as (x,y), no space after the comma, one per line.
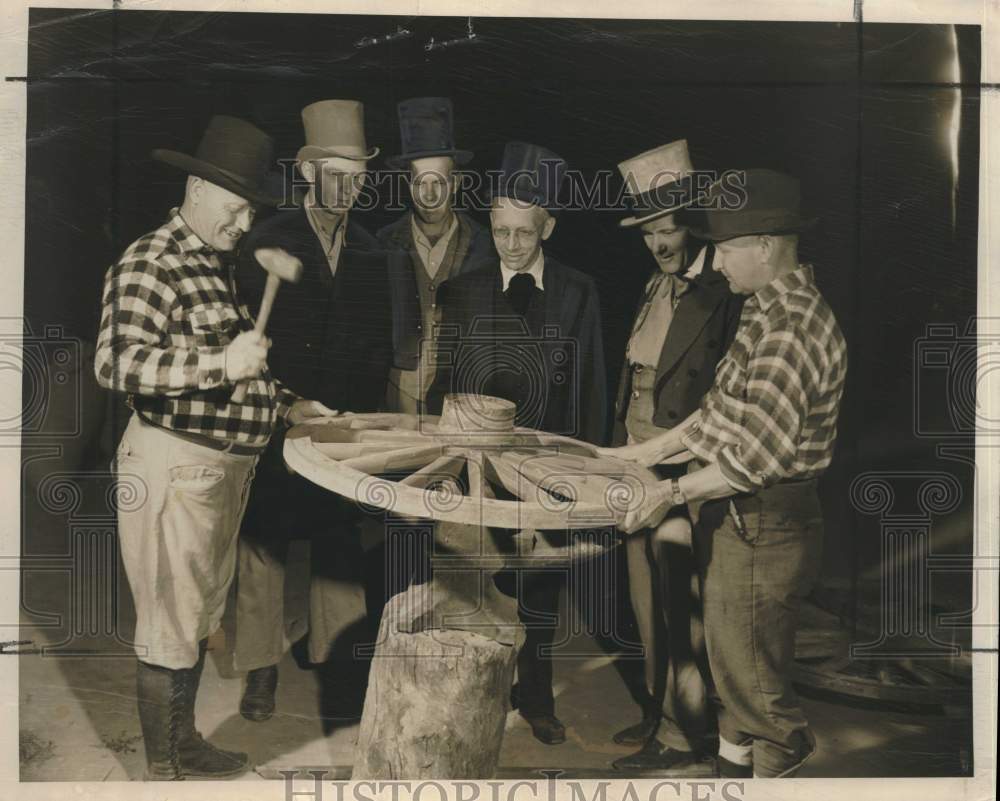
(439,684)
(447,468)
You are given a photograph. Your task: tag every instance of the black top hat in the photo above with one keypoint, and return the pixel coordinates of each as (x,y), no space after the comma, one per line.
(531,174)
(232,154)
(425,127)
(751,202)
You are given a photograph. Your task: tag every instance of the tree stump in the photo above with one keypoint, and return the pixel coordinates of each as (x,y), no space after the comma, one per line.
(439,684)
(437,699)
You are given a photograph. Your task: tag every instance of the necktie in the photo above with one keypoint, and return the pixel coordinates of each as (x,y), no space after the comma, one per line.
(519,292)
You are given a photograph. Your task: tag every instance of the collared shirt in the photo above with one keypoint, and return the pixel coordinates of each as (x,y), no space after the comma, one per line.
(323,224)
(663,293)
(772,411)
(169,312)
(536,270)
(431,256)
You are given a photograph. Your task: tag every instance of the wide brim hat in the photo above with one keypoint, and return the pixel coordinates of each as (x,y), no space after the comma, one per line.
(659,182)
(530,174)
(752,203)
(335,129)
(233,154)
(426,130)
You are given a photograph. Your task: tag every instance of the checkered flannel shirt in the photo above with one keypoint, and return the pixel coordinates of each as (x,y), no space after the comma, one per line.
(771,414)
(170,310)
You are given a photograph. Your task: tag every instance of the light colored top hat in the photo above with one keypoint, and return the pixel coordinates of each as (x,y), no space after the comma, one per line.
(335,128)
(659,182)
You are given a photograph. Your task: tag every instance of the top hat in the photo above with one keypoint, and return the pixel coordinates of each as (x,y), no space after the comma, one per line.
(769,203)
(232,154)
(659,181)
(335,128)
(531,174)
(425,128)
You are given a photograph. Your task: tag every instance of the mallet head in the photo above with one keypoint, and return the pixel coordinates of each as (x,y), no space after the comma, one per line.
(279,263)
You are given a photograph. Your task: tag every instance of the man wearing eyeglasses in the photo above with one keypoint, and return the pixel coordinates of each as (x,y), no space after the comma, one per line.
(433,243)
(332,333)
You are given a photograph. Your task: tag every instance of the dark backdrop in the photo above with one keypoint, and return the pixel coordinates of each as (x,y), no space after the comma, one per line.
(859,113)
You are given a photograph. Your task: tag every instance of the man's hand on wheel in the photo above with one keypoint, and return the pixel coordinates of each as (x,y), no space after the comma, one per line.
(640,452)
(650,512)
(303,410)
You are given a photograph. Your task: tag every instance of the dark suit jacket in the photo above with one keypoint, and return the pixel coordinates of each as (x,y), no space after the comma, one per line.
(702,329)
(481,339)
(332,337)
(397,237)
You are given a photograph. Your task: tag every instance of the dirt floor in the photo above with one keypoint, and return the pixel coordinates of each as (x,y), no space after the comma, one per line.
(78,719)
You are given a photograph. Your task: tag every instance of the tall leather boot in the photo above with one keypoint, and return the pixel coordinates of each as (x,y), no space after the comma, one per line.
(198,757)
(158,692)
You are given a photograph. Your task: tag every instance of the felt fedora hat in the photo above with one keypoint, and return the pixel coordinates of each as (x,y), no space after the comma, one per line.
(335,128)
(531,174)
(426,130)
(751,202)
(658,182)
(232,154)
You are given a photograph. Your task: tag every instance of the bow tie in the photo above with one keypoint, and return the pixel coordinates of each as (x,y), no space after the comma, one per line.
(519,292)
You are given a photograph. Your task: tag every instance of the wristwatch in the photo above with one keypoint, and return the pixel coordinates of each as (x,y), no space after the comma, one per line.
(676,495)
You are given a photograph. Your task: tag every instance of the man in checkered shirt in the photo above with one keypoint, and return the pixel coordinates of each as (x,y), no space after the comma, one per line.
(762,436)
(176,339)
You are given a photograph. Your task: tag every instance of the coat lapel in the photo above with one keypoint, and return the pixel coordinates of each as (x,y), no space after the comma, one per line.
(693,312)
(562,302)
(463,238)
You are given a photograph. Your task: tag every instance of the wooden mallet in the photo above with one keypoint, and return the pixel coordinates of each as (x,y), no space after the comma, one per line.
(280,266)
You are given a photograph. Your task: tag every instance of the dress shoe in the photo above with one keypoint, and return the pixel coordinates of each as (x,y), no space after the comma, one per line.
(258,697)
(639,733)
(546,728)
(657,758)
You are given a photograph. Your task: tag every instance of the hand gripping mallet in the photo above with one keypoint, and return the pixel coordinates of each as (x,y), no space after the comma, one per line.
(279,266)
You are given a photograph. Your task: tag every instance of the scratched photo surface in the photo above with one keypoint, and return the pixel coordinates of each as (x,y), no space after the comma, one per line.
(880,123)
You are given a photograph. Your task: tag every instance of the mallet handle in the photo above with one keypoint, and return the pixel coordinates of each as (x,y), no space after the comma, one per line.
(266,303)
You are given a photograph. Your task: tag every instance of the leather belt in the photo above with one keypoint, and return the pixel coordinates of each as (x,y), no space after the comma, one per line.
(225,446)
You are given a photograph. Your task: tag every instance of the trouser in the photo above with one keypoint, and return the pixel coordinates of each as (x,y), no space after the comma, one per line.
(537,592)
(283,507)
(665,591)
(666,597)
(757,568)
(179,510)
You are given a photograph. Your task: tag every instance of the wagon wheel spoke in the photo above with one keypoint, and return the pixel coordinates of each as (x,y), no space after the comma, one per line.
(504,475)
(345,451)
(527,484)
(403,436)
(475,465)
(440,468)
(572,478)
(597,466)
(565,445)
(396,460)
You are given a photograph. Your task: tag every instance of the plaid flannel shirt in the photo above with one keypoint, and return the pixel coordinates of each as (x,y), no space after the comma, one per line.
(170,310)
(771,414)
